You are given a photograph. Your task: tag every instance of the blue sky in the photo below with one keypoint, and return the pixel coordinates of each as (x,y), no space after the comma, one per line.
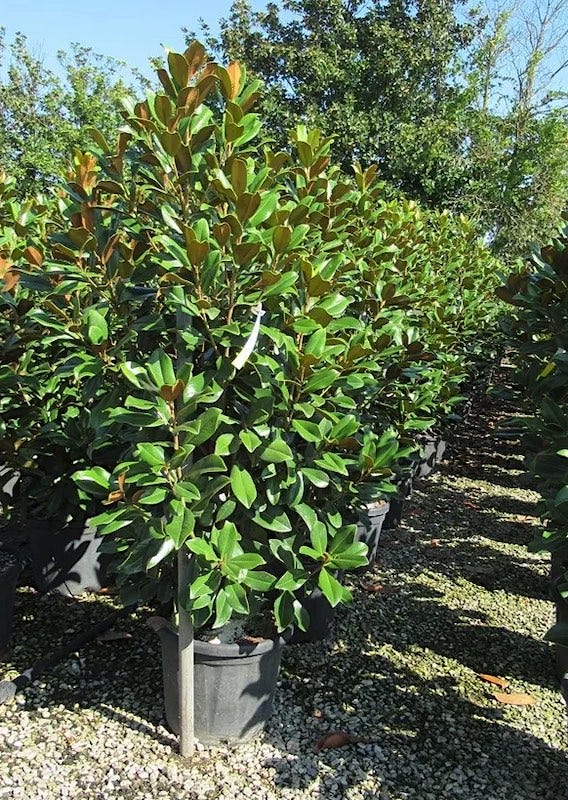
(131,30)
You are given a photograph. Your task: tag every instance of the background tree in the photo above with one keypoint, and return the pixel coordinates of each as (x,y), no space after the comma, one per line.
(44,115)
(380,77)
(458,108)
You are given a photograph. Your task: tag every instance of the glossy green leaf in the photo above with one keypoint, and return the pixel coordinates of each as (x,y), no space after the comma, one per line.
(95,481)
(352,557)
(332,589)
(151,454)
(165,549)
(237,598)
(273,519)
(250,440)
(321,380)
(284,611)
(205,584)
(259,580)
(97,327)
(223,609)
(247,561)
(307,430)
(333,463)
(225,444)
(243,486)
(318,538)
(316,477)
(153,496)
(276,452)
(292,580)
(201,548)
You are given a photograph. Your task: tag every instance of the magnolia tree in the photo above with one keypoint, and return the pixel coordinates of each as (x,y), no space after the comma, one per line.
(227,321)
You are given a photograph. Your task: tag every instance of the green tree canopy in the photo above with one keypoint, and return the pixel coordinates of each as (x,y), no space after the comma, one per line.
(446,102)
(381,77)
(44,115)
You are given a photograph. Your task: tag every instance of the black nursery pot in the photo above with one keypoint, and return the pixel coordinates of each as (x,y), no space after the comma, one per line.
(394,515)
(396,507)
(234,686)
(321,616)
(432,451)
(65,557)
(369,531)
(10,567)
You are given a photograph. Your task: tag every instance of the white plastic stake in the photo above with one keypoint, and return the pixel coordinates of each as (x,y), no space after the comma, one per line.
(243,356)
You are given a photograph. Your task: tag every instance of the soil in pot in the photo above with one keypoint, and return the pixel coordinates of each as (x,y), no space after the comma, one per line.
(10,566)
(234,685)
(66,557)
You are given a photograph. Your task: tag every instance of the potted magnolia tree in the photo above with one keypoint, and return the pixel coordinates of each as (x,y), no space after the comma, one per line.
(205,283)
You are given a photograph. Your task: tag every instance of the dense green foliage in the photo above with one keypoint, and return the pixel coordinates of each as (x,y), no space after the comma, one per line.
(539,330)
(241,344)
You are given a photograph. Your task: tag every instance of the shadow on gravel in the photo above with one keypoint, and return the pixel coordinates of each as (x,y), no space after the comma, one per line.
(465,637)
(105,674)
(487,567)
(424,738)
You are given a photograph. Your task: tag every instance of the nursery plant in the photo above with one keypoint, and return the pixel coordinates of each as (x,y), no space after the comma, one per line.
(537,328)
(172,249)
(198,295)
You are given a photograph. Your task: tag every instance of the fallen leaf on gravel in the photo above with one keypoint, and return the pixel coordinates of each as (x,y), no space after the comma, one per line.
(113,636)
(502,682)
(413,511)
(515,699)
(378,588)
(335,739)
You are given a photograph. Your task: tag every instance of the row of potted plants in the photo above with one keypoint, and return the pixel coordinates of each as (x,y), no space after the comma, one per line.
(217,349)
(538,329)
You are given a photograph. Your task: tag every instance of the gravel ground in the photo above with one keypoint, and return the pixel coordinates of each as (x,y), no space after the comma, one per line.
(459,596)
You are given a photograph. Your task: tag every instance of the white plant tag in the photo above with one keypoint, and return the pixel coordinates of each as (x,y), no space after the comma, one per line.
(243,356)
